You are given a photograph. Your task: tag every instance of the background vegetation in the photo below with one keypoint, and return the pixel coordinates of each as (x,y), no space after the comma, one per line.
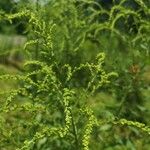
(74,74)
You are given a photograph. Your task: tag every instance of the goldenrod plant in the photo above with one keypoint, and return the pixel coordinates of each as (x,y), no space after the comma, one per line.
(75,50)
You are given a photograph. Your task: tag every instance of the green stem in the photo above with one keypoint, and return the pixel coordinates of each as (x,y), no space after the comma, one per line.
(75,132)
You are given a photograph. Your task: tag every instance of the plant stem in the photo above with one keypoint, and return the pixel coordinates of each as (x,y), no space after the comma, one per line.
(75,132)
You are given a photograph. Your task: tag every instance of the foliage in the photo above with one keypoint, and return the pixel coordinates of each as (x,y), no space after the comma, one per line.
(71,52)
